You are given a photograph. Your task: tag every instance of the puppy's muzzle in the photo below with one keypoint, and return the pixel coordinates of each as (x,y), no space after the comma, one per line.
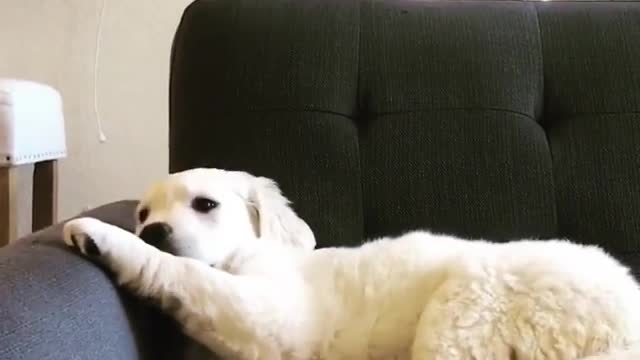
(157,234)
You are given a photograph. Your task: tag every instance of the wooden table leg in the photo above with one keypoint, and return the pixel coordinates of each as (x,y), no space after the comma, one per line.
(45,195)
(8,205)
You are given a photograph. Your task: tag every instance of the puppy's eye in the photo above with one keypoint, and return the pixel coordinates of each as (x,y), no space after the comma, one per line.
(203,205)
(143,215)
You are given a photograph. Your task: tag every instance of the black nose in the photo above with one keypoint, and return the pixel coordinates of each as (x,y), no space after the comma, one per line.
(156,233)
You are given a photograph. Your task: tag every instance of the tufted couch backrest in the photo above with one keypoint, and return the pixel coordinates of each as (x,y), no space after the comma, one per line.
(497,120)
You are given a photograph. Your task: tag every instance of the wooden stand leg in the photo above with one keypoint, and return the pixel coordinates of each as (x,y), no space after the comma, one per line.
(8,205)
(45,195)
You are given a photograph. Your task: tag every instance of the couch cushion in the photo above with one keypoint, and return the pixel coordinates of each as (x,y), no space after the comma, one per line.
(450,139)
(56,305)
(592,119)
(499,120)
(270,87)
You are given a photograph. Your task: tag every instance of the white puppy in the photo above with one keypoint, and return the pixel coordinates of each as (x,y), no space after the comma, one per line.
(240,273)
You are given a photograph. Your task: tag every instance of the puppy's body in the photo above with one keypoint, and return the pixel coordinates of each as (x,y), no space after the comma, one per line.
(436,297)
(265,294)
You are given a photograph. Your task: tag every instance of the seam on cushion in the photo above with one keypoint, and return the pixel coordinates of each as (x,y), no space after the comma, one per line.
(287,110)
(554,189)
(542,93)
(358,122)
(570,114)
(358,110)
(519,113)
(383,113)
(630,252)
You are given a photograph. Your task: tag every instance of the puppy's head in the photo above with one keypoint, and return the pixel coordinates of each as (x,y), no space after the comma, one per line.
(207,214)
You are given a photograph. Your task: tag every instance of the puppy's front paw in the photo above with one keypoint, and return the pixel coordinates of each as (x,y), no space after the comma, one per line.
(85,234)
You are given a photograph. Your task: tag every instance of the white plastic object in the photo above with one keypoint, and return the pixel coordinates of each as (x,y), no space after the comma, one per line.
(31,123)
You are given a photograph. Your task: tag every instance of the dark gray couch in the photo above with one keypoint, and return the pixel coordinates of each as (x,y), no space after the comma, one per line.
(500,120)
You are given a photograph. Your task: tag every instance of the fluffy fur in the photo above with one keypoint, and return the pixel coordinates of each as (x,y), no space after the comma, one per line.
(245,281)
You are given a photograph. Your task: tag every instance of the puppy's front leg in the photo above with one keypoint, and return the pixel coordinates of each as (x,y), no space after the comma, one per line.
(216,308)
(131,260)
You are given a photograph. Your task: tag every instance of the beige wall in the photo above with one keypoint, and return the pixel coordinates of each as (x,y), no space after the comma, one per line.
(54,41)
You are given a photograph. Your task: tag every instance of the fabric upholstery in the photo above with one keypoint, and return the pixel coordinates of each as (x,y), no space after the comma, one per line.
(497,120)
(58,306)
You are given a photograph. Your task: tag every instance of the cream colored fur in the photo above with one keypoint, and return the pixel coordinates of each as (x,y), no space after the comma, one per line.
(246,282)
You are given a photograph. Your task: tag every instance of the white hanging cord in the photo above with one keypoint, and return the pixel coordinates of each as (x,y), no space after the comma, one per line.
(101,136)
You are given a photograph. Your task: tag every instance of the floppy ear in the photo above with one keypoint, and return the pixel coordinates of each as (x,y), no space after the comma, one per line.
(275,219)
